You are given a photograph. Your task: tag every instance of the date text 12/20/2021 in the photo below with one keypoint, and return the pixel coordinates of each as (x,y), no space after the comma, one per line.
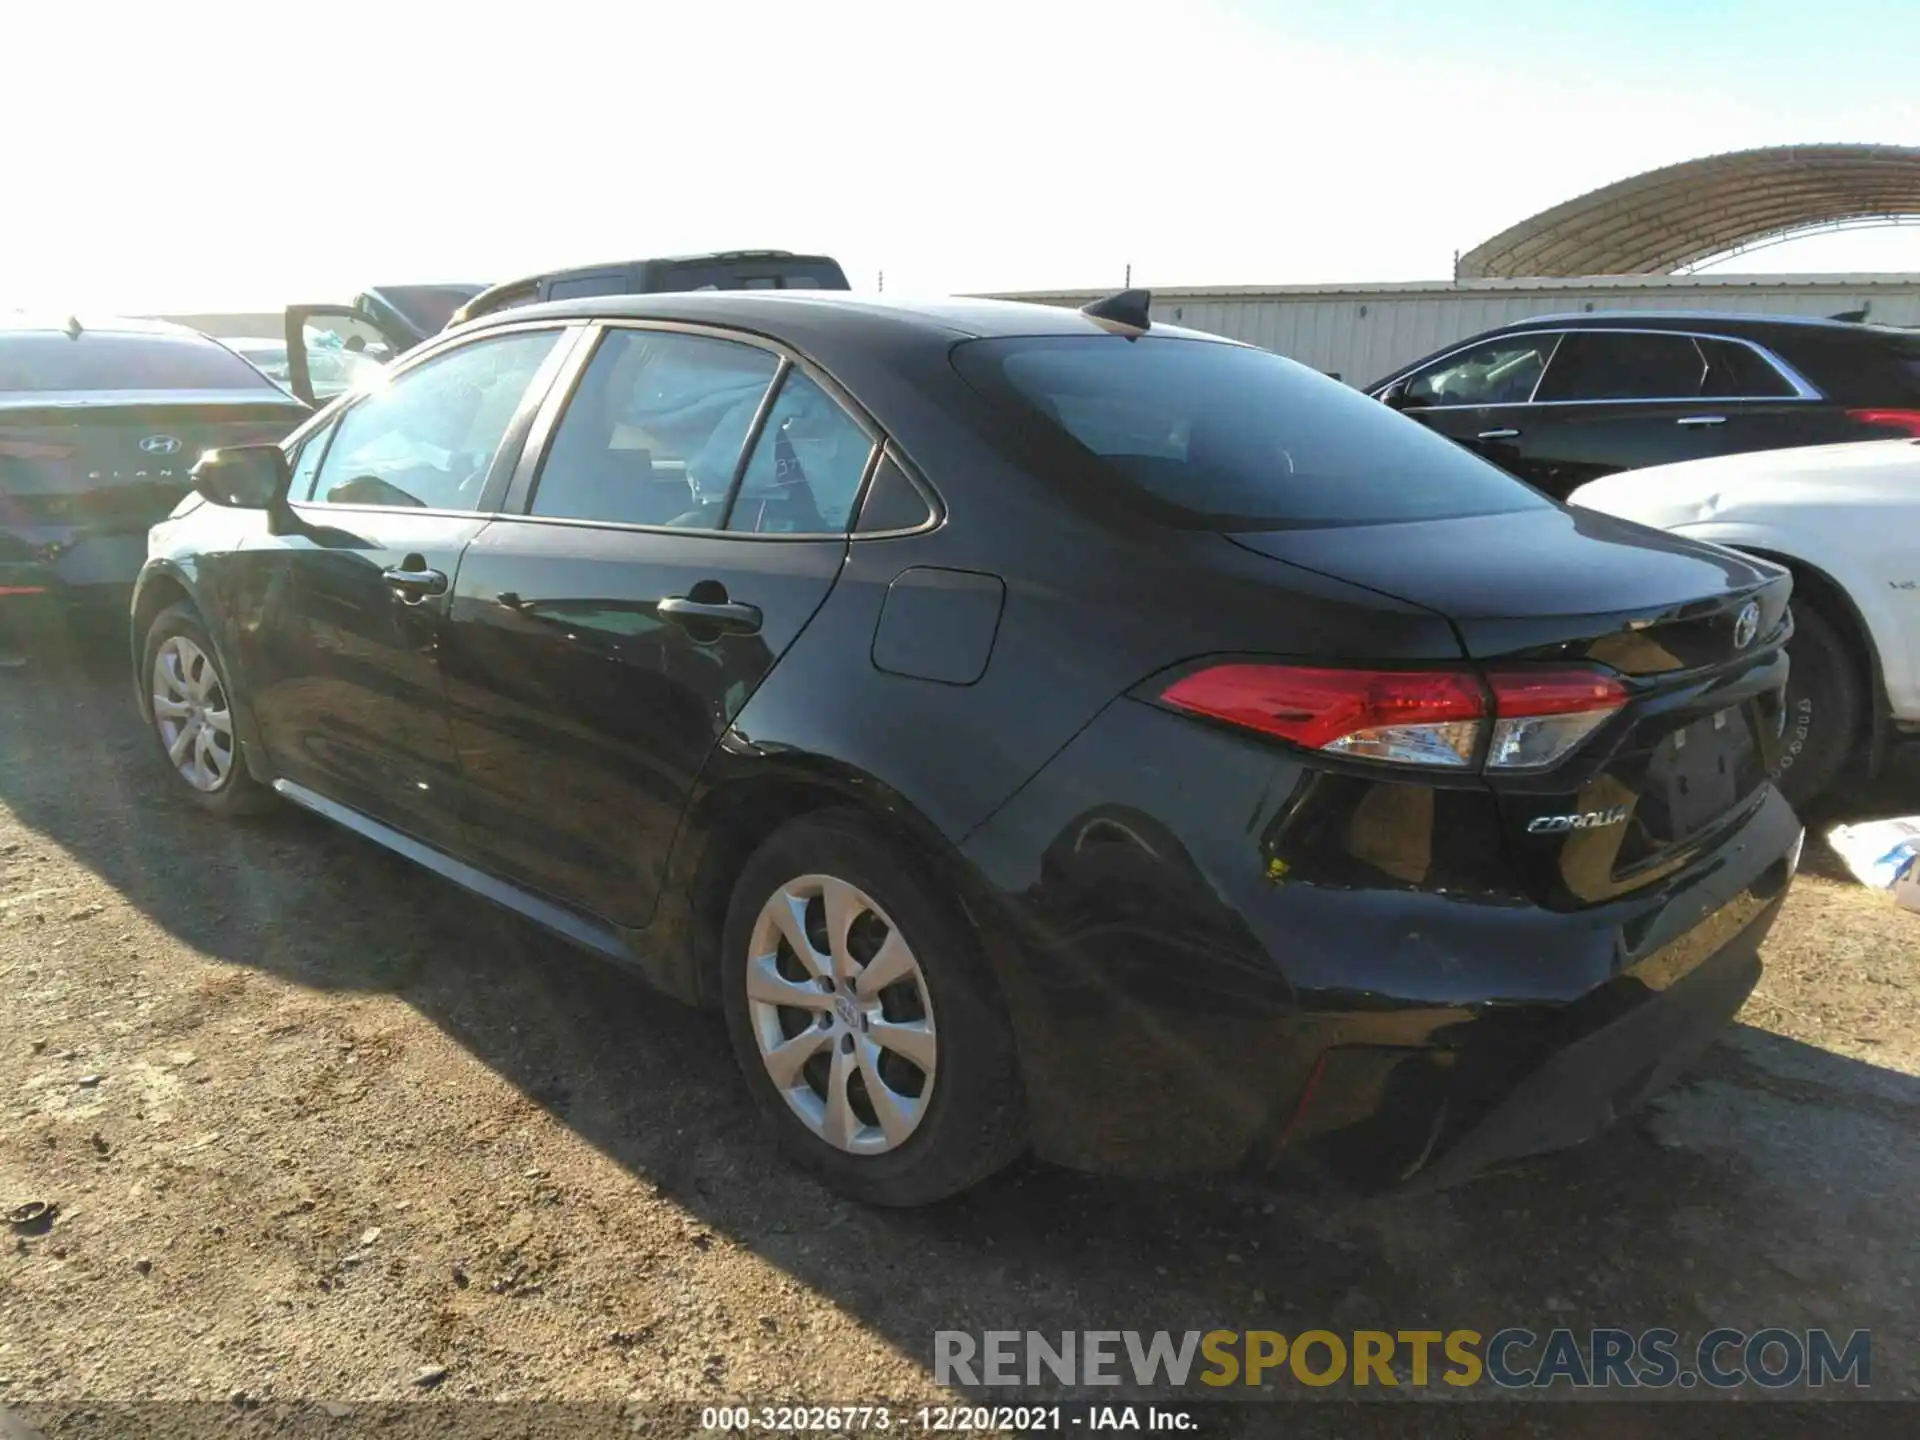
(935,1419)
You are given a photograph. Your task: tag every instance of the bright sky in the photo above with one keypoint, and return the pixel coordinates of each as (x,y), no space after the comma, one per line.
(211,154)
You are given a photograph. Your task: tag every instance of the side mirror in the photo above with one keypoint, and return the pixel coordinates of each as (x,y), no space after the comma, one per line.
(1394,397)
(244,477)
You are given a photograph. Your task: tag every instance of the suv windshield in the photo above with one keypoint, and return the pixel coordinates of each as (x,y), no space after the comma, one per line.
(1232,438)
(121,360)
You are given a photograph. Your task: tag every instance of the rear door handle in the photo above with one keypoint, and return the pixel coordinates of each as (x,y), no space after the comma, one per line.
(414,584)
(1701,420)
(727,615)
(1496,434)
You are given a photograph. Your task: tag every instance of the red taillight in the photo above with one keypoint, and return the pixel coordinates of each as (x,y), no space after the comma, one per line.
(1543,714)
(1408,717)
(1906,421)
(1521,693)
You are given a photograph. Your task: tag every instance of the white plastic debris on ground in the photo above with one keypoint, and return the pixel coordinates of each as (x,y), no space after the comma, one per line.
(1884,854)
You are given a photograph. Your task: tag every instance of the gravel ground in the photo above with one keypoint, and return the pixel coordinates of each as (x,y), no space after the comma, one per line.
(320,1126)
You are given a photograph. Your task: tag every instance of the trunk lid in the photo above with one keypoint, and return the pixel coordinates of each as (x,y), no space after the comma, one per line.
(82,478)
(1696,633)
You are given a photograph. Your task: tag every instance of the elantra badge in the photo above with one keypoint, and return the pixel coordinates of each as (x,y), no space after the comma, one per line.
(160,445)
(1585,820)
(1747,625)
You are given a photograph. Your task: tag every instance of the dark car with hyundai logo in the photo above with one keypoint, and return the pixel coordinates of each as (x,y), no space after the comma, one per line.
(100,424)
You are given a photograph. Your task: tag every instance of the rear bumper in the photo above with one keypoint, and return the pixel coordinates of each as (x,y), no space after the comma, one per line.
(1553,1080)
(1610,1071)
(37,597)
(1242,963)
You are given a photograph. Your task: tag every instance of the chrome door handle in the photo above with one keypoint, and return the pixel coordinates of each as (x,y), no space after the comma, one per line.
(725,615)
(1701,420)
(1496,434)
(413,586)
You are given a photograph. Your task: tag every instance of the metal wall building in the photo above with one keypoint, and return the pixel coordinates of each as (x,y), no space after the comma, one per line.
(1362,332)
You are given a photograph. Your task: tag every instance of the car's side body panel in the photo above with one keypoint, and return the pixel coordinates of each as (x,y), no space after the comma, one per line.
(581,715)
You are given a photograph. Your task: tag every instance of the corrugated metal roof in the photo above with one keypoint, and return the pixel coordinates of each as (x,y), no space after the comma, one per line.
(1681,214)
(1542,285)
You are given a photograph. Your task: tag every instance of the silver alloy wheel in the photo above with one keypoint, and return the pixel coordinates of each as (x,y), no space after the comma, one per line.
(842,1015)
(191,712)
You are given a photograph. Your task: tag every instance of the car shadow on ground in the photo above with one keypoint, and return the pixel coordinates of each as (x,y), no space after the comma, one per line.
(1772,1188)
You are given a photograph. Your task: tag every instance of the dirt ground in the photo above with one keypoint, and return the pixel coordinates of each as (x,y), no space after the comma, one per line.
(320,1126)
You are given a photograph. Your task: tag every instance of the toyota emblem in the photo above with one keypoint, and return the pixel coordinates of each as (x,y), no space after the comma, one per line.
(160,445)
(1747,625)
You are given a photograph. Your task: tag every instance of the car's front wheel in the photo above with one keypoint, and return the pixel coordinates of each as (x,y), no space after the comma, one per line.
(192,707)
(864,1019)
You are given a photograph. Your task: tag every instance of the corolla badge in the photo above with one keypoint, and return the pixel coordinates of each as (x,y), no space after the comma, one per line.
(1746,625)
(160,445)
(1585,820)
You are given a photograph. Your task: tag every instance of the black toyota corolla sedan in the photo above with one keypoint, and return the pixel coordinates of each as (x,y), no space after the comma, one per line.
(1031,728)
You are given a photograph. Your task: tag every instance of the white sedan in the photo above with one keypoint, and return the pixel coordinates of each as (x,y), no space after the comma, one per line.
(1845,519)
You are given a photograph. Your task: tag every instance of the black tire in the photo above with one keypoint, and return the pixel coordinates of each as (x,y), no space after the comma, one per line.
(974,1120)
(1826,707)
(237,793)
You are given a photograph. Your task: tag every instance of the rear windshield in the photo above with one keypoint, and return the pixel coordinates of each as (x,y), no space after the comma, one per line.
(1231,438)
(113,360)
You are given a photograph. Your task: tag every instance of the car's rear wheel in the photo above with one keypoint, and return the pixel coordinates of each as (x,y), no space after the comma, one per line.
(1826,706)
(193,712)
(862,1015)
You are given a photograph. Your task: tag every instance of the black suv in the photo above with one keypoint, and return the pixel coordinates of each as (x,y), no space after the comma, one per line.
(1563,399)
(327,343)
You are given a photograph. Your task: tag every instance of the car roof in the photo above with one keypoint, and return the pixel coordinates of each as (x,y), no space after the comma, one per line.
(800,316)
(1732,321)
(79,326)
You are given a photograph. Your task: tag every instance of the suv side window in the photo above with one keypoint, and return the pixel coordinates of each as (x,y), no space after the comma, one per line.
(1739,372)
(805,471)
(428,439)
(1500,372)
(1622,365)
(653,432)
(576,287)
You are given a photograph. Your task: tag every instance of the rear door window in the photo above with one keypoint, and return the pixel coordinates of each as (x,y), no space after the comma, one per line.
(1500,372)
(654,430)
(1739,372)
(804,474)
(1227,437)
(1624,365)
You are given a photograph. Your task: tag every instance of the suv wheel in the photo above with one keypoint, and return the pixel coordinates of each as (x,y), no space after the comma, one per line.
(1826,700)
(192,706)
(865,1022)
